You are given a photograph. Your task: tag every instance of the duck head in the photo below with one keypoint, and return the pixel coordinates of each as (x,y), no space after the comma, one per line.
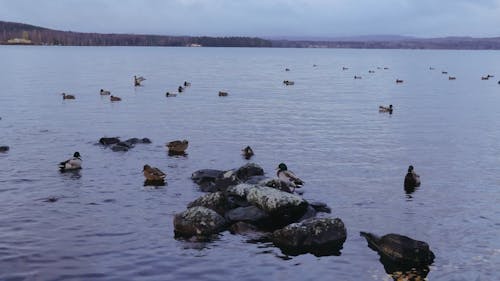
(76,154)
(282,167)
(146,167)
(410,169)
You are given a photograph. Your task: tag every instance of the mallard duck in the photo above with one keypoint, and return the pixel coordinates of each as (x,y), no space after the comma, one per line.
(452,78)
(223,94)
(288,177)
(180,89)
(104,92)
(247,152)
(399,81)
(114,98)
(444,72)
(357,77)
(485,78)
(385,109)
(187,84)
(411,178)
(177,146)
(73,163)
(67,97)
(288,82)
(4,148)
(168,94)
(287,69)
(345,68)
(153,174)
(138,80)
(371,71)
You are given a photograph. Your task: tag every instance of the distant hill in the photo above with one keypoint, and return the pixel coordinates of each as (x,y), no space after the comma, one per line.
(19,33)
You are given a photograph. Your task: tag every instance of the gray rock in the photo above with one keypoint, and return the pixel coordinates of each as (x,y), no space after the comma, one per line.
(319,236)
(247,214)
(109,141)
(240,190)
(274,201)
(132,141)
(146,140)
(320,207)
(249,170)
(214,201)
(198,221)
(119,148)
(206,175)
(400,250)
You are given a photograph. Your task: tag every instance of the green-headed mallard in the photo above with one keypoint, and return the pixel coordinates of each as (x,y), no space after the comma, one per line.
(74,163)
(288,177)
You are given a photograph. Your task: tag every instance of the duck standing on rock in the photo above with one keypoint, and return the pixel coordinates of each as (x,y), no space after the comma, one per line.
(288,177)
(412,180)
(153,175)
(72,164)
(247,152)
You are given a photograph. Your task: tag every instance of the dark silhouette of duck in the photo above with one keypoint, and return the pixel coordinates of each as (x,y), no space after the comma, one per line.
(412,180)
(223,94)
(399,81)
(67,97)
(385,109)
(247,152)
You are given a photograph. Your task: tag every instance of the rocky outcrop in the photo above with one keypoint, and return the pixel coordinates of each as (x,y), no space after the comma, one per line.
(198,221)
(216,180)
(319,236)
(117,145)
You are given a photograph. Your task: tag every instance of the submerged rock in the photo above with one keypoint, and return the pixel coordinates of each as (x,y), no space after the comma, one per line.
(198,221)
(119,148)
(206,175)
(108,141)
(320,207)
(319,236)
(400,250)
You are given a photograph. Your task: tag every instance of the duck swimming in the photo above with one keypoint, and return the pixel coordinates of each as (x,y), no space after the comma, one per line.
(411,179)
(153,174)
(138,80)
(247,152)
(114,98)
(104,92)
(288,177)
(68,97)
(223,94)
(385,109)
(74,163)
(177,147)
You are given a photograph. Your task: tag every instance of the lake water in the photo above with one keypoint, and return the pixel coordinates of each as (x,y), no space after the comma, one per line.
(107,226)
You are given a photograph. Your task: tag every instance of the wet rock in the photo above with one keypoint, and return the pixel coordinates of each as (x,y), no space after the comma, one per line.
(206,175)
(257,180)
(119,148)
(249,170)
(250,214)
(198,221)
(132,141)
(124,144)
(275,201)
(4,148)
(319,236)
(320,207)
(240,190)
(214,201)
(310,213)
(109,141)
(400,251)
(145,140)
(243,228)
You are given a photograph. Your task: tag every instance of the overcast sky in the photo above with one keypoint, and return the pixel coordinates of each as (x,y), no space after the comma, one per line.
(315,18)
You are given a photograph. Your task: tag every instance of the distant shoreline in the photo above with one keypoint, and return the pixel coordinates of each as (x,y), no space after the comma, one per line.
(28,35)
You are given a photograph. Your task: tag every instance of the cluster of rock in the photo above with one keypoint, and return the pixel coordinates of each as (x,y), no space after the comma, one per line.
(243,200)
(117,145)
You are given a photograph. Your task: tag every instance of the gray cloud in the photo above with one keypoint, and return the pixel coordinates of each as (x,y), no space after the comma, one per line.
(325,18)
